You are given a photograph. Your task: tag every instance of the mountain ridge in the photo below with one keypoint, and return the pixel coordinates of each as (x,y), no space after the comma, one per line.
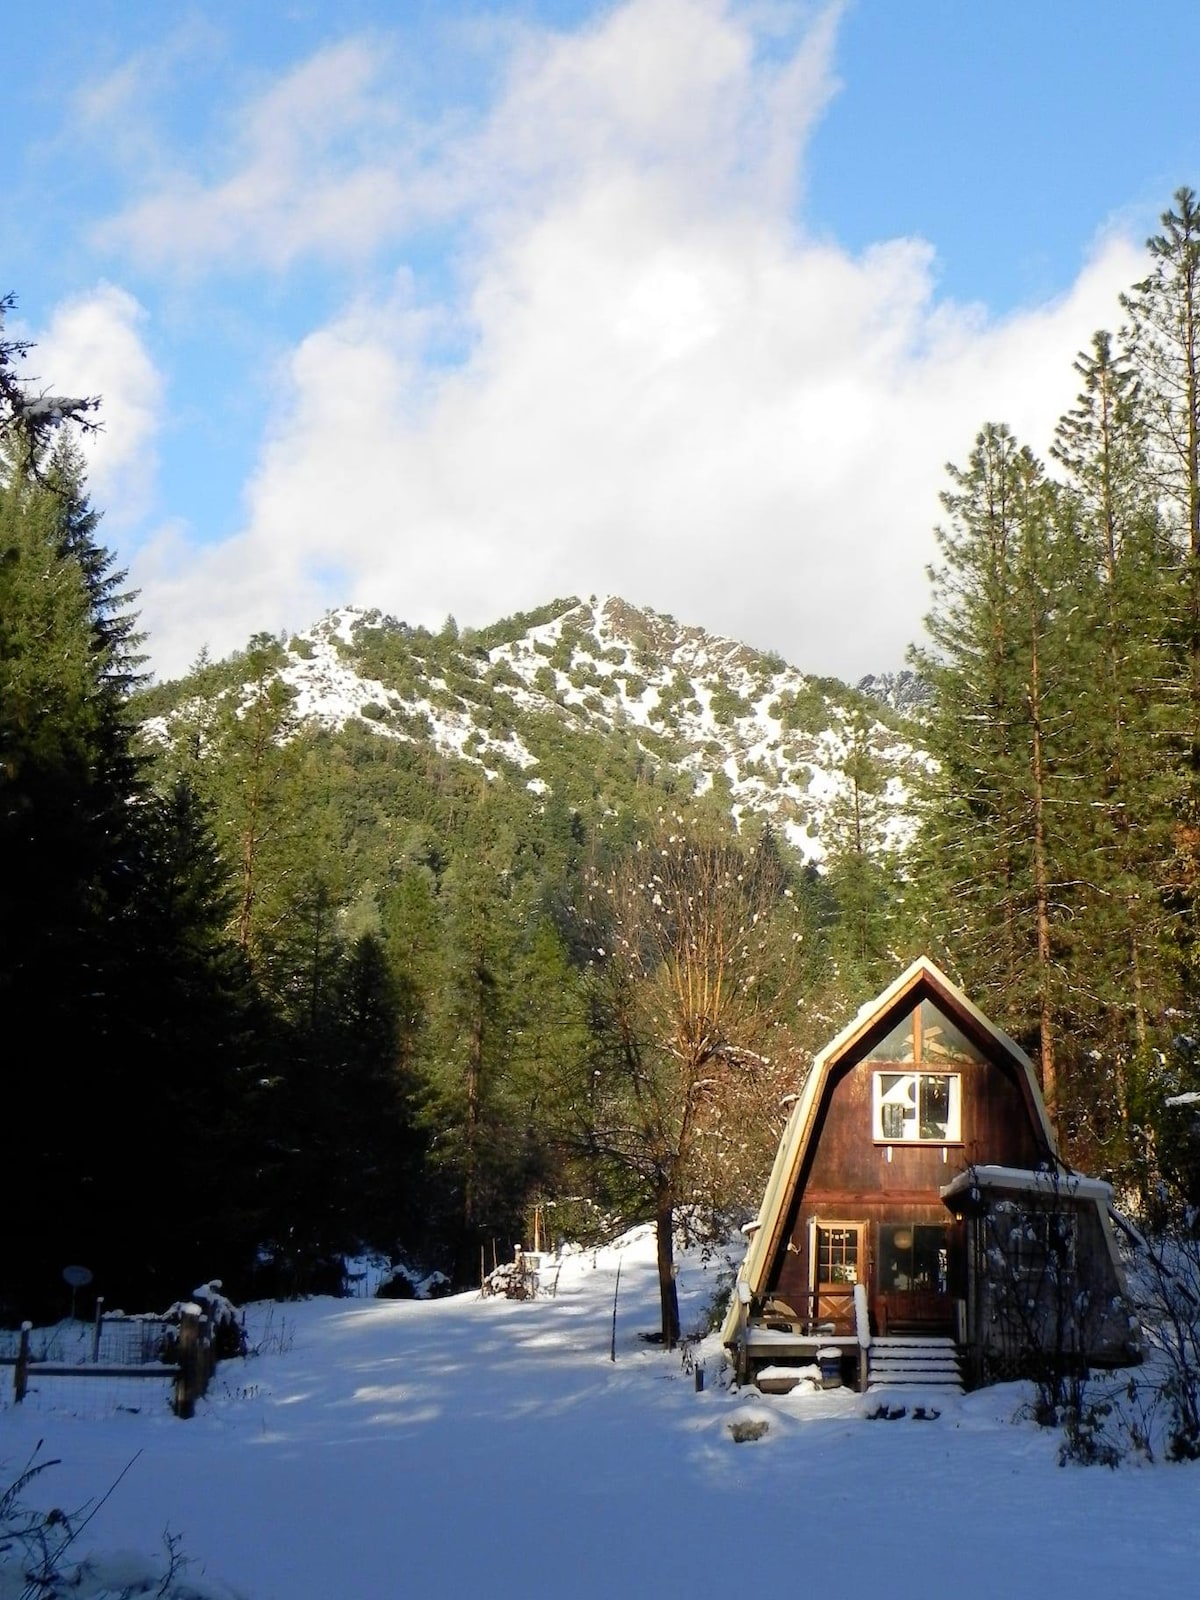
(777,743)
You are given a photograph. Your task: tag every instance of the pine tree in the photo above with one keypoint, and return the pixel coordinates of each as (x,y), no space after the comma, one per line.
(1163,335)
(998,854)
(1125,712)
(863,871)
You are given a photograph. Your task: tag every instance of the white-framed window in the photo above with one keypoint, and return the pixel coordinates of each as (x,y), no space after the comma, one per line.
(917,1108)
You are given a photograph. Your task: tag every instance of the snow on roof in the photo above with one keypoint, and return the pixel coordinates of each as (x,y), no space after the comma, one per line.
(1027,1181)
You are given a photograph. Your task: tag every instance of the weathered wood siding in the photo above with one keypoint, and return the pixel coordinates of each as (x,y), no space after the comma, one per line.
(849,1178)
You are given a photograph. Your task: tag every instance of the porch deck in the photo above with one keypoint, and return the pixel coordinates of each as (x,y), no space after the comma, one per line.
(775,1344)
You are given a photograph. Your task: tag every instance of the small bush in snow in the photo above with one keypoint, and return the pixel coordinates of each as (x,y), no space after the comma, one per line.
(745,1430)
(38,1556)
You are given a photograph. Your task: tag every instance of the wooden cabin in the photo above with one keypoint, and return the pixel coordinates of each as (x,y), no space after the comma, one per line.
(918,1205)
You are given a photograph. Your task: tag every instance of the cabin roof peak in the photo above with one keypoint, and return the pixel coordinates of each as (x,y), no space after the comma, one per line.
(923,973)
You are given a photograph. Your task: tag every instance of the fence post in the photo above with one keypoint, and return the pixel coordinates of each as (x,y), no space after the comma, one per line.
(96,1329)
(186,1379)
(21,1370)
(207,1357)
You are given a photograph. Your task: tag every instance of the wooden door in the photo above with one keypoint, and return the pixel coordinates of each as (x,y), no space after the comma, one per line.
(839,1257)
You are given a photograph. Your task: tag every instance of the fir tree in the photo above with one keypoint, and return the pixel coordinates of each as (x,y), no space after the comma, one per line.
(1163,335)
(1127,722)
(997,839)
(109,956)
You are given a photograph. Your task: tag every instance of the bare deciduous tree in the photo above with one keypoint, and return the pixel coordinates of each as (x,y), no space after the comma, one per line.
(694,977)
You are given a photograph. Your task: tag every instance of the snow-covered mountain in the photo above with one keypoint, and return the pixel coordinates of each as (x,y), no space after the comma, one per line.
(775,741)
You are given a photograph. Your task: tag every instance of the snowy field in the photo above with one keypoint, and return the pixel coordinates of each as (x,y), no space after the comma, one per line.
(487,1447)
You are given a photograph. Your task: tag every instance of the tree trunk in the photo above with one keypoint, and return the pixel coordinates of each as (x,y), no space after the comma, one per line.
(474,1079)
(1041,880)
(664,1223)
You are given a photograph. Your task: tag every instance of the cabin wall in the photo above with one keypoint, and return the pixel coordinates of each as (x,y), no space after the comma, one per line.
(851,1177)
(794,1278)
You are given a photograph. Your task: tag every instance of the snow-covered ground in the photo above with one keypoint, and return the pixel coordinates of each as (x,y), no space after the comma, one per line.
(467,1446)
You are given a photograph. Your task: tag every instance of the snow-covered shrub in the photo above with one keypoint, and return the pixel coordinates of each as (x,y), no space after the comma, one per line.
(1089,1437)
(225,1320)
(514,1280)
(399,1284)
(1167,1283)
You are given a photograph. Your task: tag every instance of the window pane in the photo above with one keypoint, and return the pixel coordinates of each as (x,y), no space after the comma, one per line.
(935,1105)
(913,1256)
(930,1258)
(837,1255)
(898,1046)
(897,1102)
(941,1040)
(895,1258)
(1040,1241)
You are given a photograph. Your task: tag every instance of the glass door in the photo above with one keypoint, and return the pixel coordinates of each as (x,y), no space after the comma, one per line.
(839,1262)
(914,1267)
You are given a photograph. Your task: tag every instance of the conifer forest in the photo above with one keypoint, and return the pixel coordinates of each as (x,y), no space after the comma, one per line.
(277,989)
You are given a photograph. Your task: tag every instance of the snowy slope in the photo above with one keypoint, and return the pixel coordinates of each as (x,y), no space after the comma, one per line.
(465,1447)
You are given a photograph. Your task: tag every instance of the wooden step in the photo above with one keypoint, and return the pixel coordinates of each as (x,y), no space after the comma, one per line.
(915,1380)
(921,1363)
(914,1341)
(900,1362)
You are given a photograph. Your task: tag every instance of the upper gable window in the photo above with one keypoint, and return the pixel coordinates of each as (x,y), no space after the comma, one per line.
(918,1107)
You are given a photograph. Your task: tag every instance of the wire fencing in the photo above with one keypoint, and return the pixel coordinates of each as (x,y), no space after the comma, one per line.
(118,1351)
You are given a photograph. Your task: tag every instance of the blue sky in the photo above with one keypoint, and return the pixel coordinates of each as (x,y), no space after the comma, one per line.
(457,307)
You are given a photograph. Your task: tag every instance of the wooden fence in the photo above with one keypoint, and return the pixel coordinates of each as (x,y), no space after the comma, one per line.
(124,1347)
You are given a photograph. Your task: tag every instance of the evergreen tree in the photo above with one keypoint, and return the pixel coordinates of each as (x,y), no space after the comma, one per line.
(30,414)
(862,869)
(1127,722)
(1163,335)
(998,853)
(109,957)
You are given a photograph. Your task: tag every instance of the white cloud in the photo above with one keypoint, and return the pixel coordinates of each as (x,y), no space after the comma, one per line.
(94,345)
(323,163)
(668,390)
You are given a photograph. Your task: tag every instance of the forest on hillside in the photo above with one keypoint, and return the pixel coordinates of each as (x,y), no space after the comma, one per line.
(276,994)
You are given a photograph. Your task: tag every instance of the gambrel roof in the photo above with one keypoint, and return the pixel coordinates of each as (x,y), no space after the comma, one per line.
(922,980)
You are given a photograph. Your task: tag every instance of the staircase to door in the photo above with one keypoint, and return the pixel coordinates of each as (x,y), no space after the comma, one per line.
(914,1362)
